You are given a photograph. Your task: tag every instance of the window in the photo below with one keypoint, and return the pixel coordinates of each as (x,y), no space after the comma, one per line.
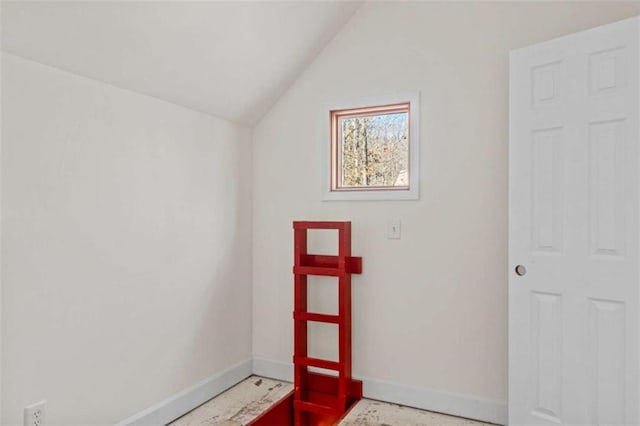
(373,153)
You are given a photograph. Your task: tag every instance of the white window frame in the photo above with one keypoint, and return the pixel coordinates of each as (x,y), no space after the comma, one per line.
(364,194)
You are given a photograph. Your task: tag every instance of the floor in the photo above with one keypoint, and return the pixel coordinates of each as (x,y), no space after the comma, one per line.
(245,401)
(238,405)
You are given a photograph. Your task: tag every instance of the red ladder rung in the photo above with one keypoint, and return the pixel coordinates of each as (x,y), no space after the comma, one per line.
(318,363)
(316,408)
(320,225)
(315,270)
(352,264)
(310,316)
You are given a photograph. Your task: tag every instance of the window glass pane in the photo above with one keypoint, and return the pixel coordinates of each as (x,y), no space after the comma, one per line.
(374,150)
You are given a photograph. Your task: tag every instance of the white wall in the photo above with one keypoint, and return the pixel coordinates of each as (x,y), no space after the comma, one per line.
(126,246)
(430,310)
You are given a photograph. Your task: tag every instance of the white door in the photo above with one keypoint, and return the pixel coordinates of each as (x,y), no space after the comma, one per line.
(573,212)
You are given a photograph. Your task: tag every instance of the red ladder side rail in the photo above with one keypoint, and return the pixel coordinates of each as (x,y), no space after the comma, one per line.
(344,316)
(299,327)
(318,398)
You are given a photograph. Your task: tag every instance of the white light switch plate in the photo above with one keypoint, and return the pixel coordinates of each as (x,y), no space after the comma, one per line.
(394,229)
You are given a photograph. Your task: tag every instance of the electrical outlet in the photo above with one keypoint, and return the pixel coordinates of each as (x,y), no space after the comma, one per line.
(393,229)
(35,414)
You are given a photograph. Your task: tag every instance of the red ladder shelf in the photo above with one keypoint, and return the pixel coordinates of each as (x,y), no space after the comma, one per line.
(321,399)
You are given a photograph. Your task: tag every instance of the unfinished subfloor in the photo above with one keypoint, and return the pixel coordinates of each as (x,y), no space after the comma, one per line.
(246,400)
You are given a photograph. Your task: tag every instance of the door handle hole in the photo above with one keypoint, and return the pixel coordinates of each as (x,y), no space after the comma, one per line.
(520,270)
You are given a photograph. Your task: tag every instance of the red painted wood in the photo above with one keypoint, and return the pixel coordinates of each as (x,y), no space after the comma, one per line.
(344,312)
(322,399)
(318,363)
(310,270)
(321,391)
(316,408)
(319,225)
(299,327)
(279,414)
(310,316)
(353,265)
(324,383)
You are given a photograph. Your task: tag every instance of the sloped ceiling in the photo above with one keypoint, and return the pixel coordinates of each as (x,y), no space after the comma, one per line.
(229,59)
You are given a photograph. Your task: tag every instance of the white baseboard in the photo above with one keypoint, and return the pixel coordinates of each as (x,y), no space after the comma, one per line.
(185,401)
(273,369)
(471,407)
(412,396)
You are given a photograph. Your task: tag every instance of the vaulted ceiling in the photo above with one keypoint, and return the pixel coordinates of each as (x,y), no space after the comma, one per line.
(229,59)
